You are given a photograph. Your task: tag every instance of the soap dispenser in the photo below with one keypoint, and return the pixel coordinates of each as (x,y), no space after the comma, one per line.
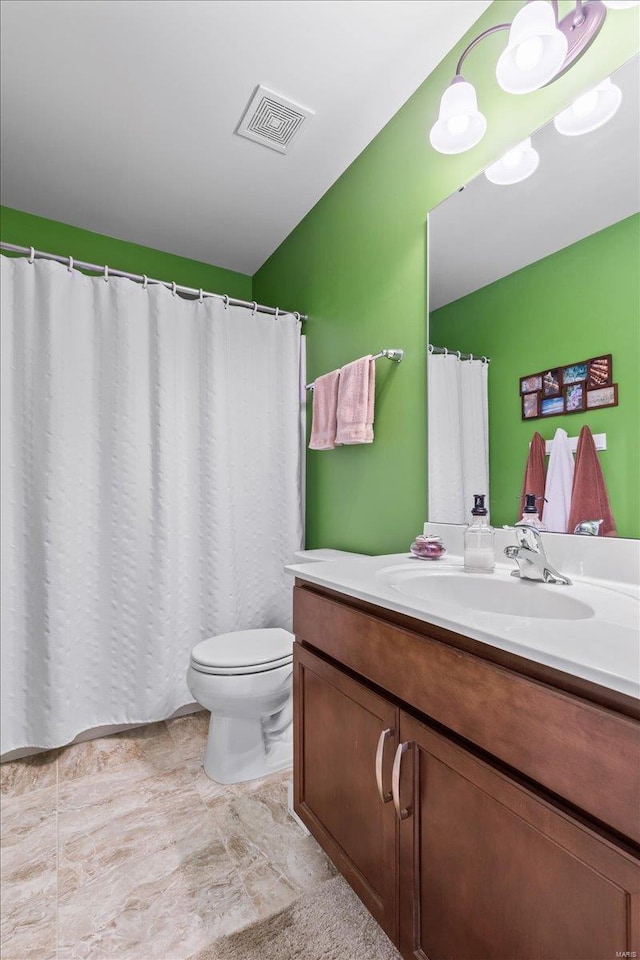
(530,513)
(479,553)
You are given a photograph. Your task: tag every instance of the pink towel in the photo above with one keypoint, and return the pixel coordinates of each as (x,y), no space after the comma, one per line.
(589,497)
(356,395)
(325,402)
(534,474)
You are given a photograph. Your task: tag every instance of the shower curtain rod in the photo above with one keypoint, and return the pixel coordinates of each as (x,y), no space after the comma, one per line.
(141,278)
(396,355)
(456,353)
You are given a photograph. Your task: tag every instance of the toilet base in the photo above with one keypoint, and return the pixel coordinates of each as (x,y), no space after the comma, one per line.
(240,749)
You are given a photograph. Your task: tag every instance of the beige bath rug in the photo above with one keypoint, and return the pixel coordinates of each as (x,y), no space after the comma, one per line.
(329,923)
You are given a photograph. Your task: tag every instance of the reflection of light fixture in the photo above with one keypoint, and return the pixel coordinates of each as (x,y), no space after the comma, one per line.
(535,52)
(540,49)
(516,165)
(460,125)
(589,111)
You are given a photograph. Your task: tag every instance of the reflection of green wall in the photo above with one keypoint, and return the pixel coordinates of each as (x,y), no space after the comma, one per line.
(578,303)
(356,265)
(26,230)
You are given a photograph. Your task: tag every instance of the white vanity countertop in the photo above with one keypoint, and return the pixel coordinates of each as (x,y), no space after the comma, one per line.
(601,644)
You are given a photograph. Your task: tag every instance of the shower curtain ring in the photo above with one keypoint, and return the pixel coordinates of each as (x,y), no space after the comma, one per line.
(32,254)
(470,357)
(254,307)
(445,351)
(70,267)
(277,312)
(201,296)
(430,348)
(226,301)
(458,355)
(296,316)
(173,289)
(106,273)
(485,359)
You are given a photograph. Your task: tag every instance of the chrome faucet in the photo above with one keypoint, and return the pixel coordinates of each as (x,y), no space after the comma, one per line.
(531,558)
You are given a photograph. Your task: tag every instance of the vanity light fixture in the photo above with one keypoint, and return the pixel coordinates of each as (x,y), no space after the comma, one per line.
(541,47)
(589,111)
(516,165)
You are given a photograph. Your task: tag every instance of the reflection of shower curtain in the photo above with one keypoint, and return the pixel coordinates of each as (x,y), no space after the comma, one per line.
(150,492)
(458,436)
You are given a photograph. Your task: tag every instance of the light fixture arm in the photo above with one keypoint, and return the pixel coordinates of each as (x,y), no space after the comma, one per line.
(476,41)
(579,14)
(507,26)
(581,27)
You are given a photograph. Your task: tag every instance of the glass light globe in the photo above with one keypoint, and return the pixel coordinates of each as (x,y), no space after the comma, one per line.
(460,125)
(529,53)
(535,52)
(516,165)
(512,159)
(589,111)
(585,104)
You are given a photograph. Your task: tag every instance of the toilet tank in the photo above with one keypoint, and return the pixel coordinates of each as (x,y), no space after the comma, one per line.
(314,556)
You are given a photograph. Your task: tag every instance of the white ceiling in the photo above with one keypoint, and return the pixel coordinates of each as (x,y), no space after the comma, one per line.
(582,185)
(119,115)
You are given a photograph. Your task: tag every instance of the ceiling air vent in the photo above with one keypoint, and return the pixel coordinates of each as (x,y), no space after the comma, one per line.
(272,120)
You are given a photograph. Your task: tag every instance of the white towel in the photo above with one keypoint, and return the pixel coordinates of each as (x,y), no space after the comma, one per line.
(559,484)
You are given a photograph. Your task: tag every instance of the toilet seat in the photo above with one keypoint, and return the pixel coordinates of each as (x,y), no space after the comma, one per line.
(241,670)
(243,652)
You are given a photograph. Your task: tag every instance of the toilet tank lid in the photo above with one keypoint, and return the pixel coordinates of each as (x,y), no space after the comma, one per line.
(309,556)
(243,648)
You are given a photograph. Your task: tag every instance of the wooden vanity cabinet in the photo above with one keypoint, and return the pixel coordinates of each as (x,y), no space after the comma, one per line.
(493,872)
(456,855)
(345,738)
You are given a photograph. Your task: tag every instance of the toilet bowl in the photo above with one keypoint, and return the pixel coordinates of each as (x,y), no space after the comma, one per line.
(244,679)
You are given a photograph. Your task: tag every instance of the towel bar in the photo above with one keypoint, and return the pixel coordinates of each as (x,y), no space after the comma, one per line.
(396,355)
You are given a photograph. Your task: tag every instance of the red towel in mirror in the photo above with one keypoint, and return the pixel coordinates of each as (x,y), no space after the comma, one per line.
(589,497)
(535,474)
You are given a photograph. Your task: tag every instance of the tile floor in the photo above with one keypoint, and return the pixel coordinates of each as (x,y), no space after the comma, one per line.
(123,849)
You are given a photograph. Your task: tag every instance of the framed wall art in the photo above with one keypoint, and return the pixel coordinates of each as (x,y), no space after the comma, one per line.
(572,388)
(603,397)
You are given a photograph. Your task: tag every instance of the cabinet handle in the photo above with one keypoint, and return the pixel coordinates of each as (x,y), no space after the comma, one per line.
(384,795)
(403,812)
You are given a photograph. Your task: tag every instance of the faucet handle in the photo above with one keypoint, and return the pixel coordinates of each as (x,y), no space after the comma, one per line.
(589,527)
(528,536)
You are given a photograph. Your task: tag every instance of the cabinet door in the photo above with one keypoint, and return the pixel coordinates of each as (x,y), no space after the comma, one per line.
(491,871)
(344,740)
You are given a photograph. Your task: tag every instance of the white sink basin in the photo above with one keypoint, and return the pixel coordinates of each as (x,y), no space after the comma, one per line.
(588,628)
(509,596)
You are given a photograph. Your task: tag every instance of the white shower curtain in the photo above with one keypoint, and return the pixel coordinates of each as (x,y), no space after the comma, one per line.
(458,441)
(150,492)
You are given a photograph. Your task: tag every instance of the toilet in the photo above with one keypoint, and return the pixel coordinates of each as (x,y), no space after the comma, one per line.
(244,679)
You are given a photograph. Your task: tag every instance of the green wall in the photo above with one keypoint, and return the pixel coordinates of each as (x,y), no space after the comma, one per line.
(27,230)
(356,265)
(581,302)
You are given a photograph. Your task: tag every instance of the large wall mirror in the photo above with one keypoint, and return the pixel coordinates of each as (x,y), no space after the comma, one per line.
(538,277)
